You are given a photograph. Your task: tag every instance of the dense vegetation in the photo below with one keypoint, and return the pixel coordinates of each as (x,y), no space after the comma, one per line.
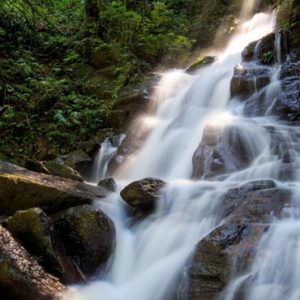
(64,63)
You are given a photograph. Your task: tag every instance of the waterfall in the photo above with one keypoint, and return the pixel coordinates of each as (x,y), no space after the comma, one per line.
(105,153)
(151,255)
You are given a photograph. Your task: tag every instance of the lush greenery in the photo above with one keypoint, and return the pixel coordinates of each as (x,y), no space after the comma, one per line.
(64,63)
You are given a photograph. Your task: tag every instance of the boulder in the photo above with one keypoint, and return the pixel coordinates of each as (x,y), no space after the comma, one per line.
(143,194)
(248,79)
(22,189)
(205,61)
(212,263)
(35,231)
(108,184)
(20,275)
(88,235)
(221,150)
(247,212)
(62,170)
(53,167)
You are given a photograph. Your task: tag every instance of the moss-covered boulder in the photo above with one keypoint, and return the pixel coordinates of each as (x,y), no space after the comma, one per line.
(62,170)
(143,194)
(35,231)
(22,189)
(20,275)
(88,234)
(205,61)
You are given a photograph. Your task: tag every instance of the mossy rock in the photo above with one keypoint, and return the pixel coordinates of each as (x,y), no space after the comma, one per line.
(62,170)
(35,231)
(88,234)
(23,189)
(144,193)
(21,277)
(205,61)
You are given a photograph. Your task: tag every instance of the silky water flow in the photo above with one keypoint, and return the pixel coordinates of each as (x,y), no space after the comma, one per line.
(151,255)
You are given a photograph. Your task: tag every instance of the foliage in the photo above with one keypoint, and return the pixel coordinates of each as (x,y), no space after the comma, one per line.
(64,63)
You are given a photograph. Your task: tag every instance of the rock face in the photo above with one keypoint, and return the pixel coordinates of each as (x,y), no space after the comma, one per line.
(211,268)
(88,235)
(248,79)
(35,230)
(285,104)
(20,275)
(264,51)
(230,248)
(253,75)
(143,194)
(221,150)
(22,189)
(288,103)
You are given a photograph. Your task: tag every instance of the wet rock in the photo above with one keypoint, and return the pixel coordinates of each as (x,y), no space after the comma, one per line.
(248,79)
(22,189)
(88,235)
(143,194)
(212,263)
(221,150)
(290,69)
(130,144)
(108,183)
(20,275)
(289,171)
(205,61)
(258,104)
(288,103)
(35,231)
(229,250)
(264,50)
(285,102)
(256,201)
(62,170)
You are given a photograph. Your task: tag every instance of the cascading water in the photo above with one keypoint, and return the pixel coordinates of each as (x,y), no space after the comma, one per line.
(150,255)
(106,152)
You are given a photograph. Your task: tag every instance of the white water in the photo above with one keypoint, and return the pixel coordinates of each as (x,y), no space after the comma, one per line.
(106,152)
(150,256)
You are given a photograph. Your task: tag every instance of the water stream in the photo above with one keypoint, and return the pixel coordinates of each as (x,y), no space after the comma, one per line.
(151,255)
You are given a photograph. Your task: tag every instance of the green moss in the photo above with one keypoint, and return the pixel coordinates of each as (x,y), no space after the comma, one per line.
(26,191)
(33,229)
(59,169)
